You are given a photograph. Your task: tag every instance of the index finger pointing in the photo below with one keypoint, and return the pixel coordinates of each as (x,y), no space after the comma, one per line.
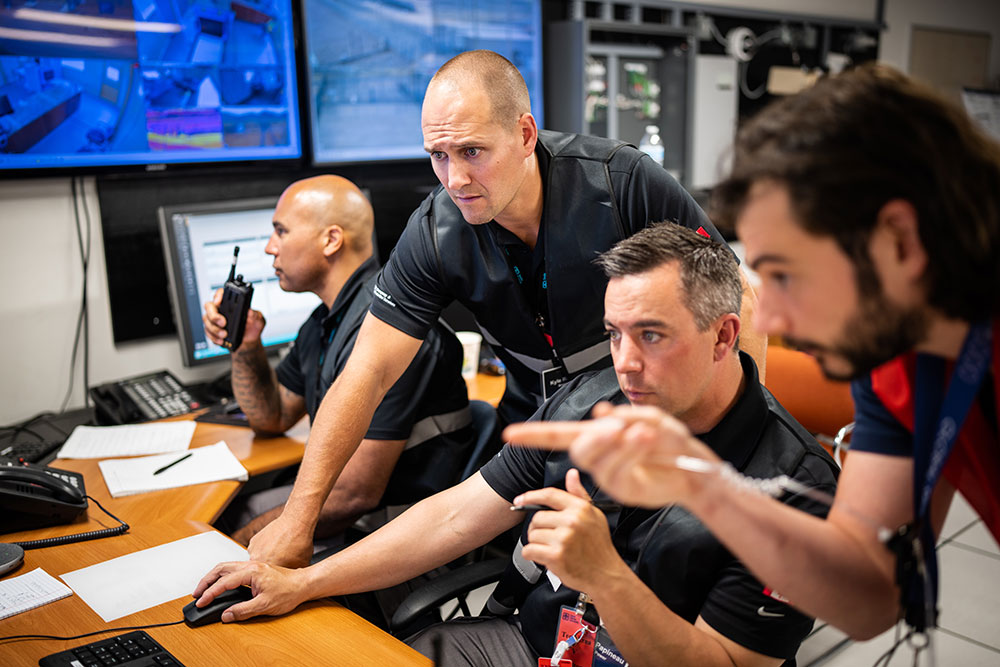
(553,435)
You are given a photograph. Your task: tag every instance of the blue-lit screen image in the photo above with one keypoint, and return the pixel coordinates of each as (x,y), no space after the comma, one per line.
(369,62)
(105,83)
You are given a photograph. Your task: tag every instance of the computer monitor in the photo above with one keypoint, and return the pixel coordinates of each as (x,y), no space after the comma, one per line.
(146,85)
(366,85)
(198,242)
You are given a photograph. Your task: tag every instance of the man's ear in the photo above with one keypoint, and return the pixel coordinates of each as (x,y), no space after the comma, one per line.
(333,240)
(528,130)
(727,330)
(896,249)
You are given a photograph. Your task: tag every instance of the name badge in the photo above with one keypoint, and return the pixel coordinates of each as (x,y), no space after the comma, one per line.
(552,379)
(574,641)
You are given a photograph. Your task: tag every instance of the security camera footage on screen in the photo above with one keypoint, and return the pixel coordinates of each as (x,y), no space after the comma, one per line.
(371,79)
(100,83)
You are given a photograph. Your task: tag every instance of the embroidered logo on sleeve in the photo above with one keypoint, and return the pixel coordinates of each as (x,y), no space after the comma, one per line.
(385,297)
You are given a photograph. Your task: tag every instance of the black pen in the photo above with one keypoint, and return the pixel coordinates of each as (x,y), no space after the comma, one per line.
(603,506)
(169,465)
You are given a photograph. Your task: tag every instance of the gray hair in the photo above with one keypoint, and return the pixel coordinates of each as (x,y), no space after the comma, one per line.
(709,271)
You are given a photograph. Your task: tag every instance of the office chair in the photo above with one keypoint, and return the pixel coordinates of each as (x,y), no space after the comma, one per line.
(824,407)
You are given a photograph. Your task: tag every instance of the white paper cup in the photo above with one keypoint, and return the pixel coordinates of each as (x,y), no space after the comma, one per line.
(471,341)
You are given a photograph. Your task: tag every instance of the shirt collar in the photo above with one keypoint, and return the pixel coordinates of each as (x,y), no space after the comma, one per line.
(735,436)
(330,318)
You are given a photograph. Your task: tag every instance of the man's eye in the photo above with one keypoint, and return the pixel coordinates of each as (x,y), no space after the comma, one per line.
(780,279)
(473,152)
(651,336)
(613,335)
(437,155)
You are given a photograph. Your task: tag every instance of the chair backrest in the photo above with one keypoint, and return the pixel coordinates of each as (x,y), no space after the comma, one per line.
(822,406)
(488,443)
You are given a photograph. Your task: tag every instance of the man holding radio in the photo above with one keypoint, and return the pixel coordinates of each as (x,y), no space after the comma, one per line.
(421,433)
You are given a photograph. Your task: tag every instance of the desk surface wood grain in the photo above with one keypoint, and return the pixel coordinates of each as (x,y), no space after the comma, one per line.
(318,633)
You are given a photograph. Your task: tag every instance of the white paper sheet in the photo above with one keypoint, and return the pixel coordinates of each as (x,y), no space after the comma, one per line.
(28,591)
(101,442)
(126,477)
(146,578)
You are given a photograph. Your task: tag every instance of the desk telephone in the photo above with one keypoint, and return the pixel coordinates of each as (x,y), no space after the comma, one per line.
(37,496)
(142,398)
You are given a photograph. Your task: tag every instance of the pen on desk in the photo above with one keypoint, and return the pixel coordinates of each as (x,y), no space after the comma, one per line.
(603,506)
(170,465)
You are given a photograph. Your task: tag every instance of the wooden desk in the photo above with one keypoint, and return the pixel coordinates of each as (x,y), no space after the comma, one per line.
(202,502)
(487,388)
(317,633)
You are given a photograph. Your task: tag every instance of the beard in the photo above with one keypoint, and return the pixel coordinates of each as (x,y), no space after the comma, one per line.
(878,332)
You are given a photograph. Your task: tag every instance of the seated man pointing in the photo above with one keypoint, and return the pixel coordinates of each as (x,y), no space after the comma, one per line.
(658,587)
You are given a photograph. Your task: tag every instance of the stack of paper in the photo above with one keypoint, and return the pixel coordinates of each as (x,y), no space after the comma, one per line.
(215,463)
(101,442)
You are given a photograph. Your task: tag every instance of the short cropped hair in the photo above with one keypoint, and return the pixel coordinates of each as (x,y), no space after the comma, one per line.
(496,76)
(854,142)
(710,275)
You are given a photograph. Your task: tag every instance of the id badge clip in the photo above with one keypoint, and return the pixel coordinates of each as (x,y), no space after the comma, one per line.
(574,641)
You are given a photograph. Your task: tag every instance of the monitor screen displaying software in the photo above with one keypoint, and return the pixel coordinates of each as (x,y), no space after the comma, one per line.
(198,241)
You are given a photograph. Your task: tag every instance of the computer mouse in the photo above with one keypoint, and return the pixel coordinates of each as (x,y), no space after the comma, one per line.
(212,612)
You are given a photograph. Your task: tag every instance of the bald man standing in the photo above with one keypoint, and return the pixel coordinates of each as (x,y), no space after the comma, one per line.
(511,234)
(420,434)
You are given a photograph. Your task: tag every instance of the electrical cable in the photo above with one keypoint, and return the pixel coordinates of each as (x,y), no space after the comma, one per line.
(82,320)
(717,34)
(79,537)
(745,87)
(90,634)
(85,260)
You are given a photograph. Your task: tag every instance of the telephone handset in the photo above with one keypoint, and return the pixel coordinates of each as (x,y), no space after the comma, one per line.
(35,496)
(59,489)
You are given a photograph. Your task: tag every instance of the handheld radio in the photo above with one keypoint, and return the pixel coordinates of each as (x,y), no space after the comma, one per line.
(235,304)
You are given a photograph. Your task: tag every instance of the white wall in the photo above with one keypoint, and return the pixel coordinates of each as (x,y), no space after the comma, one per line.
(40,269)
(40,290)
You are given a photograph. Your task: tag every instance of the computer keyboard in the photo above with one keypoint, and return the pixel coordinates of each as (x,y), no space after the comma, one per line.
(32,451)
(132,649)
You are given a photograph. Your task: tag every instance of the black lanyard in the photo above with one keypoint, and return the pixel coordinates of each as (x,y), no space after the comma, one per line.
(938,419)
(540,302)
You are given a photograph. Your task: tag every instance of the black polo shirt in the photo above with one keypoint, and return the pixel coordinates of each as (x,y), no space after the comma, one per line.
(428,406)
(596,192)
(670,550)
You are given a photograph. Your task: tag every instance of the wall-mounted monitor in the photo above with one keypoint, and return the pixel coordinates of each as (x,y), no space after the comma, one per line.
(98,85)
(369,62)
(198,242)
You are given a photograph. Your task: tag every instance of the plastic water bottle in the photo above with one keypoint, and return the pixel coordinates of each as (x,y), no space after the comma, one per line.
(652,145)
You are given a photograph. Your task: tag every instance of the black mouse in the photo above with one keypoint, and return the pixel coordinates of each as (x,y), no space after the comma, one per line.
(212,612)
